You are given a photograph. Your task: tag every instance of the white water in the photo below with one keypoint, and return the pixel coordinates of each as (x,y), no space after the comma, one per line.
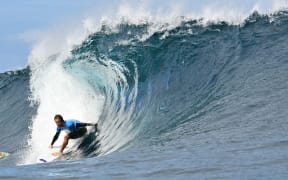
(56,91)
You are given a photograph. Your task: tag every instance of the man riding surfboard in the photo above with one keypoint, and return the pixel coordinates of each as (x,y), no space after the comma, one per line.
(75,129)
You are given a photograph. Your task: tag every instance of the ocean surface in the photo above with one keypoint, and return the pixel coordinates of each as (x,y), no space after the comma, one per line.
(193,101)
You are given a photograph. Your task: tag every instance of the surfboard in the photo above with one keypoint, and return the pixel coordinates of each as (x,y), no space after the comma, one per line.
(44,158)
(3,155)
(47,156)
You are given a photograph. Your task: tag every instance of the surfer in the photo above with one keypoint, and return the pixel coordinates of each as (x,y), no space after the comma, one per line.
(75,129)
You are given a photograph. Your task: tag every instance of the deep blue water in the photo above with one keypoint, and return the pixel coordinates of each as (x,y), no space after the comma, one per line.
(196,101)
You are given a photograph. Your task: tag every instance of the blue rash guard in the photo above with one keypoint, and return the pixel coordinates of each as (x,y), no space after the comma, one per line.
(69,125)
(74,127)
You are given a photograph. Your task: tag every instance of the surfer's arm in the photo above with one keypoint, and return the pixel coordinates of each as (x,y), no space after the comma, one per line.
(55,138)
(84,124)
(87,124)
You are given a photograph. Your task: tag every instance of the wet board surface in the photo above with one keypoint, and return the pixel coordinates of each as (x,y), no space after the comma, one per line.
(47,156)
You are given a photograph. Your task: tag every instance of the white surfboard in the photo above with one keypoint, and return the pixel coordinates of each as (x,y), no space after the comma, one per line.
(47,156)
(44,158)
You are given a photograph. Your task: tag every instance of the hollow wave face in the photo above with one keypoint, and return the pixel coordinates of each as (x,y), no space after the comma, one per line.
(85,87)
(143,80)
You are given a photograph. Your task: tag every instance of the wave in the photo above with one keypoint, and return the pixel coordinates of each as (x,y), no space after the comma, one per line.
(145,81)
(16,113)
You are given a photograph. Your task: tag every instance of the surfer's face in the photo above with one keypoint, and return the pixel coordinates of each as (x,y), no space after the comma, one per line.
(59,122)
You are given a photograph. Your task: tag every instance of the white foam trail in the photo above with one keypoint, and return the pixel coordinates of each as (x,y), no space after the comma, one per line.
(55,91)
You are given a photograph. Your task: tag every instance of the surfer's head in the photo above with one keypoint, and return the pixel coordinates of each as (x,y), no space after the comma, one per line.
(59,120)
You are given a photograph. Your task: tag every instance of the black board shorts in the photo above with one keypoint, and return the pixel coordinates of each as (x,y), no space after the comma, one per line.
(77,134)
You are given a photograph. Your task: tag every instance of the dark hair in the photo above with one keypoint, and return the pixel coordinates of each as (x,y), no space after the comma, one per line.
(58,116)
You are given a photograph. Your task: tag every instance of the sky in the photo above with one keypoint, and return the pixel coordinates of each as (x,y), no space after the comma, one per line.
(20,18)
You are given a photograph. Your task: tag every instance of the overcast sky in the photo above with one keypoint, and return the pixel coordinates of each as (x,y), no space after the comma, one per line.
(18,17)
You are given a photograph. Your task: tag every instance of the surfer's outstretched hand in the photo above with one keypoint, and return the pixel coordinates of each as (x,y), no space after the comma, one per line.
(50,146)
